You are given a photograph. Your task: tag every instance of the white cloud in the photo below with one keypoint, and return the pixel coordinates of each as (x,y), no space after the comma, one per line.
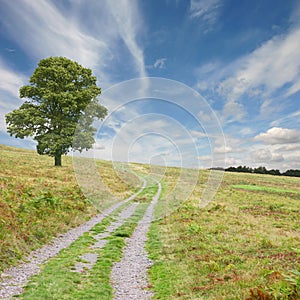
(207,68)
(205,157)
(277,158)
(43,30)
(246,131)
(294,88)
(128,21)
(277,135)
(146,136)
(198,134)
(209,161)
(267,69)
(268,107)
(6,106)
(160,63)
(10,81)
(290,119)
(205,117)
(289,148)
(206,10)
(261,155)
(278,152)
(224,149)
(272,156)
(233,111)
(267,75)
(231,161)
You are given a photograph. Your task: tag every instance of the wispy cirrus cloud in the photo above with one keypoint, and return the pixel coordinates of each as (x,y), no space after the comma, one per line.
(273,65)
(10,81)
(207,11)
(267,75)
(43,29)
(159,63)
(126,16)
(289,120)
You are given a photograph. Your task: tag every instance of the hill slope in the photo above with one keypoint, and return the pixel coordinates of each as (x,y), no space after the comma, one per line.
(244,245)
(38,200)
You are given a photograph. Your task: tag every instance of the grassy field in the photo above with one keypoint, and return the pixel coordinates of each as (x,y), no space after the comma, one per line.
(38,200)
(243,245)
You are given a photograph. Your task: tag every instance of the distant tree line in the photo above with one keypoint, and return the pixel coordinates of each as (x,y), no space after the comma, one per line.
(263,170)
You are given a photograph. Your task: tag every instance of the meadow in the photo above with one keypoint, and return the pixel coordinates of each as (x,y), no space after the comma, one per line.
(244,245)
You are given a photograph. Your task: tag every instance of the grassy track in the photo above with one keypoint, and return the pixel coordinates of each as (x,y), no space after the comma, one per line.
(244,245)
(58,279)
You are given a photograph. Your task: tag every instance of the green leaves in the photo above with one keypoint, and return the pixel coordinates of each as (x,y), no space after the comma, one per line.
(61,96)
(22,122)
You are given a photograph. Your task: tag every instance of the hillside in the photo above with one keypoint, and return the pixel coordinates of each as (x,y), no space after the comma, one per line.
(39,201)
(243,245)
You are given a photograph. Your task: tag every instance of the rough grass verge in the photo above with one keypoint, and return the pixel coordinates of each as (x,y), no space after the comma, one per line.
(264,189)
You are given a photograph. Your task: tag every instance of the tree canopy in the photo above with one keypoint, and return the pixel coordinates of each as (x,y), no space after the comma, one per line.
(60,99)
(264,170)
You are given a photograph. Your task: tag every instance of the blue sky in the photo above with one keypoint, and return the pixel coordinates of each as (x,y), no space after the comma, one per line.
(242,57)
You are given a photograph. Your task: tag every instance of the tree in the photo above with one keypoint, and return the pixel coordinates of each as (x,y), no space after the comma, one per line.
(260,170)
(60,98)
(292,172)
(274,172)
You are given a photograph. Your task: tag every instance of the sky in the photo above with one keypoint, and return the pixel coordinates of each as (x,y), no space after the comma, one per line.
(193,83)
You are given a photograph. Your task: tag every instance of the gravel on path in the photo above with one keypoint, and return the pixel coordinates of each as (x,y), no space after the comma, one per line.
(14,279)
(129,276)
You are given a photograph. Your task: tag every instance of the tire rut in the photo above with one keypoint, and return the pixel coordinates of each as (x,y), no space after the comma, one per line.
(129,276)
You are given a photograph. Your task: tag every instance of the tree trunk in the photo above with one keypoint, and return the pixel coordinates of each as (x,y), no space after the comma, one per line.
(57,159)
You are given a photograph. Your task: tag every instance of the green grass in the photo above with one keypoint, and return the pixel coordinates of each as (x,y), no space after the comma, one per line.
(263,188)
(243,245)
(38,200)
(147,193)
